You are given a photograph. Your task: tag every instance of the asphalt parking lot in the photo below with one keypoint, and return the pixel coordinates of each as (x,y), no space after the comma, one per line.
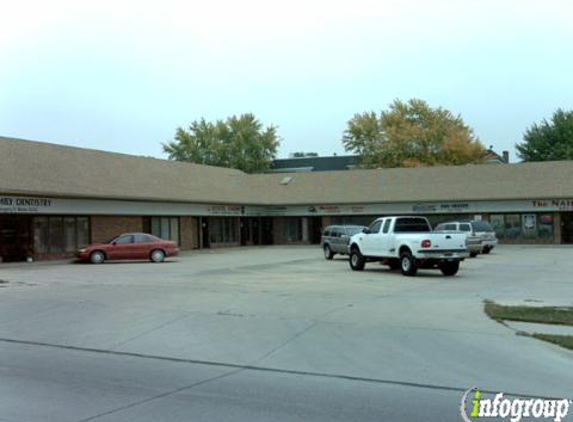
(265,312)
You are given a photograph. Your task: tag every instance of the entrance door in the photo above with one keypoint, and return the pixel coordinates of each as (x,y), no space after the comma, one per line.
(567,227)
(314,230)
(267,230)
(205,232)
(245,230)
(15,239)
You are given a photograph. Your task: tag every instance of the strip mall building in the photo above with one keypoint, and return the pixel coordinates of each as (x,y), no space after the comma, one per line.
(55,199)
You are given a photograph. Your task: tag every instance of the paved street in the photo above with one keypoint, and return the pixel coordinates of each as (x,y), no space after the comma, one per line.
(271,334)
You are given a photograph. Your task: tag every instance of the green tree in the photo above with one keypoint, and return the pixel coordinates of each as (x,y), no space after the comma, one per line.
(237,142)
(412,134)
(548,141)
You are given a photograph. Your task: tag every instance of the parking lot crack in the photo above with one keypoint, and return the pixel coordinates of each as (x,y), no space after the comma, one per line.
(286,342)
(165,324)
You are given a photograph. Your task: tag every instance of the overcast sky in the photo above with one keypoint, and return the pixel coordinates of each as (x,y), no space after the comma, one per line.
(121,75)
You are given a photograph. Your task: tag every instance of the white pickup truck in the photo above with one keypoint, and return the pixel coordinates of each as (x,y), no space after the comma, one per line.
(407,243)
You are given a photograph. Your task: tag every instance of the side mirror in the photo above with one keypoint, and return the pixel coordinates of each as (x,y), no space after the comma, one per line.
(114,243)
(366,230)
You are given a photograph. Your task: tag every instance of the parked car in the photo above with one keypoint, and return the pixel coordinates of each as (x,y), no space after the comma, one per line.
(484,229)
(129,246)
(408,243)
(335,239)
(474,242)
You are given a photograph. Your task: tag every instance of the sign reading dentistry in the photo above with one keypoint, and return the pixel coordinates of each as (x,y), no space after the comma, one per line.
(15,204)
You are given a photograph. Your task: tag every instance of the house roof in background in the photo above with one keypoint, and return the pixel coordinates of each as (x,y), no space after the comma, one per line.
(301,164)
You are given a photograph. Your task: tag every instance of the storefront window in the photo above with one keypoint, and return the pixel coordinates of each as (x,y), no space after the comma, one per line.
(165,228)
(545,226)
(292,229)
(223,230)
(522,226)
(513,226)
(497,221)
(60,234)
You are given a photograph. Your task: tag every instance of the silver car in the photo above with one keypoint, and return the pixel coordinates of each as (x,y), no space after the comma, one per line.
(335,239)
(474,242)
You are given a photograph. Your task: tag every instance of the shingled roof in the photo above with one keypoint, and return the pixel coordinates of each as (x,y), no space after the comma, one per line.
(541,180)
(36,168)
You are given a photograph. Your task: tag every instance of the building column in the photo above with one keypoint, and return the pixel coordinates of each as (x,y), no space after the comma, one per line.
(305,235)
(557,228)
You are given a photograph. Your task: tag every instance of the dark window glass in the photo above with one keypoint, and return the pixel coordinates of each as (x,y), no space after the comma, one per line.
(142,238)
(70,234)
(41,235)
(545,226)
(292,229)
(411,225)
(375,227)
(56,235)
(166,228)
(449,227)
(482,226)
(512,226)
(83,224)
(353,230)
(387,225)
(465,228)
(124,240)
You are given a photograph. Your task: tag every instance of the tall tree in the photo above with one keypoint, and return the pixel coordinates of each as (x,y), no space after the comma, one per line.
(237,142)
(548,141)
(412,134)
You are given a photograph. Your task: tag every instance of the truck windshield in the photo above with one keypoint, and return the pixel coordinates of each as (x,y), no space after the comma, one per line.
(411,225)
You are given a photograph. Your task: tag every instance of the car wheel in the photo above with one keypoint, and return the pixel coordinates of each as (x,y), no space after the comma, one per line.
(486,250)
(473,254)
(97,257)
(328,254)
(357,260)
(408,264)
(449,268)
(157,255)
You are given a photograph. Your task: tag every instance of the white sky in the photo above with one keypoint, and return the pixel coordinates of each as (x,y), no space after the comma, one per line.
(122,75)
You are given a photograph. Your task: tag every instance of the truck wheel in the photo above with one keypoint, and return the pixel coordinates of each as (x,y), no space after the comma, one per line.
(486,250)
(449,268)
(357,261)
(328,254)
(408,264)
(473,254)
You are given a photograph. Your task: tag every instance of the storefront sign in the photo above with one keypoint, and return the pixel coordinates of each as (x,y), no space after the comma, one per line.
(441,208)
(225,210)
(556,204)
(14,204)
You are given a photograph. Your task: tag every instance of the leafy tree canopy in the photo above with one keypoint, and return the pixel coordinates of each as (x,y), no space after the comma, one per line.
(412,134)
(549,141)
(237,142)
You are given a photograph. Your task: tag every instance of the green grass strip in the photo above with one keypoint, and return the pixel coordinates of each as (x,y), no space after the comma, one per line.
(563,341)
(542,314)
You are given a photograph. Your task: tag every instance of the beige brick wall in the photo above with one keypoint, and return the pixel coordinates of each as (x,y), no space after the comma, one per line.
(188,227)
(104,228)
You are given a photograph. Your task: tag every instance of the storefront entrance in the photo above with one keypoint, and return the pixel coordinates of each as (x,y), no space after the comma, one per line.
(567,227)
(250,234)
(15,238)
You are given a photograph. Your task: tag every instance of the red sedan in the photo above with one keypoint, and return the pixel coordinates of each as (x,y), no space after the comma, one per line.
(129,246)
